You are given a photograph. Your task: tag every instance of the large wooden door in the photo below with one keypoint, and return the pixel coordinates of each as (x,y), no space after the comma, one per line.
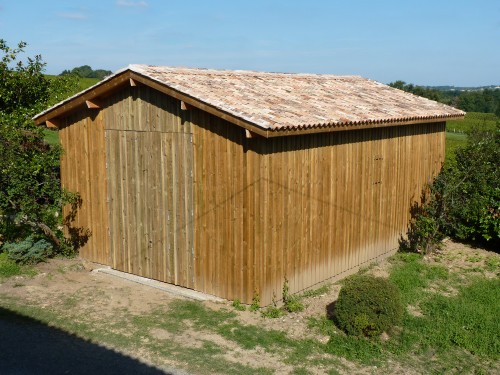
(150,187)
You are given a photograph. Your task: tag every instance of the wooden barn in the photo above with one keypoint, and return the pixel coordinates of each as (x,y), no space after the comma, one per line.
(228,182)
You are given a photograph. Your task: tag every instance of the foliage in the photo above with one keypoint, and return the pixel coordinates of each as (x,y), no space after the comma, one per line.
(9,268)
(464,200)
(368,306)
(238,305)
(255,306)
(424,233)
(484,100)
(30,194)
(291,303)
(273,311)
(29,250)
(317,292)
(86,71)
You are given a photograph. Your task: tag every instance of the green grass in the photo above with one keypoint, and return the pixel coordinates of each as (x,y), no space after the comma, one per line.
(456,130)
(51,136)
(454,141)
(458,323)
(316,292)
(455,330)
(484,120)
(9,268)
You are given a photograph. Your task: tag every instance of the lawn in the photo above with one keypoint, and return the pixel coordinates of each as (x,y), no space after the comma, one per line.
(450,325)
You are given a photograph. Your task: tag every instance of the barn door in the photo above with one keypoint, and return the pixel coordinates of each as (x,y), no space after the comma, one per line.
(150,188)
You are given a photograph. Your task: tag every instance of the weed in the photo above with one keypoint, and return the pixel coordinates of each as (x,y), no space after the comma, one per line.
(291,303)
(273,311)
(238,305)
(492,263)
(255,306)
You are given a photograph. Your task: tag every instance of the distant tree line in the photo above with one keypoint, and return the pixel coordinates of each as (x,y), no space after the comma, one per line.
(86,71)
(484,100)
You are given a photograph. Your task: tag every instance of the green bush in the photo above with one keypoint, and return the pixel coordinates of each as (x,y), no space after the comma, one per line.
(29,250)
(368,306)
(463,202)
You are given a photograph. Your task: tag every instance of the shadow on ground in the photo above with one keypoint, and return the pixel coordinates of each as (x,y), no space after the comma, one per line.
(28,346)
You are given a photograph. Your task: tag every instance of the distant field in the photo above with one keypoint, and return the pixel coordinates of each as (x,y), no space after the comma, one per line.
(484,120)
(456,129)
(82,83)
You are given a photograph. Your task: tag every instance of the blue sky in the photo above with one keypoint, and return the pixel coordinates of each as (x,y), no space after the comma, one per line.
(438,42)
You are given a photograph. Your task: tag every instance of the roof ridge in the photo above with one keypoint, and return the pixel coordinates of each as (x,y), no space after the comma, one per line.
(193,70)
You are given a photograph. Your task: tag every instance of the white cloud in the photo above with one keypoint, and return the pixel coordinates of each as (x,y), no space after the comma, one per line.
(130,4)
(73,15)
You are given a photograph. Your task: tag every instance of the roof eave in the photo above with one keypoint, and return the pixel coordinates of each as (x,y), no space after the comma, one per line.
(130,77)
(327,128)
(127,77)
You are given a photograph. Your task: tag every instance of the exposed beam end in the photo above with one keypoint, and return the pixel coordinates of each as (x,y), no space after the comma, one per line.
(185,106)
(133,82)
(93,104)
(250,134)
(52,123)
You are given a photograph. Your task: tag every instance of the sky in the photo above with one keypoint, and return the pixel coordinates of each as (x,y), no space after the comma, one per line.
(425,42)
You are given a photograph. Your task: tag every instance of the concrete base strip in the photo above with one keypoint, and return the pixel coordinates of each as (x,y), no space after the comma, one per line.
(169,288)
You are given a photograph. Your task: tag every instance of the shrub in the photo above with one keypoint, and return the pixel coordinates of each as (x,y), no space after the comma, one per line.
(463,201)
(368,306)
(29,250)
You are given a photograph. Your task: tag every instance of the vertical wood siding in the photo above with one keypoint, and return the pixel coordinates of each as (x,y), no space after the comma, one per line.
(83,170)
(184,197)
(149,149)
(305,208)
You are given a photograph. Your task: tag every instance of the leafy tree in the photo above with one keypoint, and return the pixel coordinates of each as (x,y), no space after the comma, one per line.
(85,71)
(486,101)
(30,194)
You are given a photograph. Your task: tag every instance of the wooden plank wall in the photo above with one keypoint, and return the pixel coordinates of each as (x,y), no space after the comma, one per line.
(150,158)
(83,170)
(306,208)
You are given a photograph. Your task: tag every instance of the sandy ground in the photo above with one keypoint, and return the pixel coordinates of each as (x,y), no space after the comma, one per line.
(103,295)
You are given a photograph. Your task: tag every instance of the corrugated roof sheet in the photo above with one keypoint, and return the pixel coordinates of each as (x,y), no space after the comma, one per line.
(288,101)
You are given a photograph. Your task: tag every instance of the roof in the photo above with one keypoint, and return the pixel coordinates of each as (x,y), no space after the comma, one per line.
(278,102)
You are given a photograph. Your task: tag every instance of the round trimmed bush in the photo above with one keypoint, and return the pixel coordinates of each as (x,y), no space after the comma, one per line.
(368,306)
